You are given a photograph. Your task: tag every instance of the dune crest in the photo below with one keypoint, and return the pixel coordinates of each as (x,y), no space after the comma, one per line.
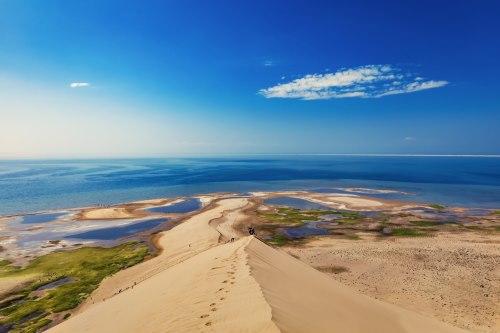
(241,286)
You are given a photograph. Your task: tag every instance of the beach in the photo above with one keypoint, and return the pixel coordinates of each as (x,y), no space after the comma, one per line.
(208,284)
(322,262)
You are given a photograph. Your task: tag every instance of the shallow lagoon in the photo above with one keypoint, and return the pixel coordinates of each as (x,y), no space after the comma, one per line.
(42,218)
(115,233)
(183,207)
(311,228)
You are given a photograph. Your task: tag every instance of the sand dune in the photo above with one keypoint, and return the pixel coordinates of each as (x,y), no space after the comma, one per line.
(200,285)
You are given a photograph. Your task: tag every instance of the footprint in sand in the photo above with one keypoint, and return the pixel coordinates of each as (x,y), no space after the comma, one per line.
(232,282)
(225,281)
(221,289)
(213,309)
(222,298)
(212,304)
(208,323)
(204,316)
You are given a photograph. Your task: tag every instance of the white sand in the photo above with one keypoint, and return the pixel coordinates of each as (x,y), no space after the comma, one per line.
(342,202)
(106,213)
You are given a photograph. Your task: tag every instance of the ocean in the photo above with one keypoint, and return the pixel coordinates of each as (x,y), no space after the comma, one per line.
(40,185)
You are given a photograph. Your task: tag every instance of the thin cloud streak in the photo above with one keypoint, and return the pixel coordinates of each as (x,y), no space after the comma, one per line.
(371,81)
(79,84)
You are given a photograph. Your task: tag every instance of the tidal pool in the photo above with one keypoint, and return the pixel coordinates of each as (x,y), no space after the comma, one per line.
(114,233)
(54,284)
(41,218)
(311,228)
(186,206)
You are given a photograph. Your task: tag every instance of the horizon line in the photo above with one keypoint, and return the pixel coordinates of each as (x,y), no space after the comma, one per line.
(95,157)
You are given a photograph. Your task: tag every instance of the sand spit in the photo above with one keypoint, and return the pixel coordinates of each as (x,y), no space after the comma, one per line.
(107,214)
(200,283)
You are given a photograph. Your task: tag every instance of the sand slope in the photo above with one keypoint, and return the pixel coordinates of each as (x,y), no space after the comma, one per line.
(244,286)
(305,300)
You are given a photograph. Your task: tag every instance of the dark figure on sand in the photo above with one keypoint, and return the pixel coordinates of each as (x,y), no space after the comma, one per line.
(251,231)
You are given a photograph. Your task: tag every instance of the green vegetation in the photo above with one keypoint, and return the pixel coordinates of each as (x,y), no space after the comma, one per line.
(296,216)
(86,267)
(278,240)
(431,223)
(483,229)
(496,212)
(473,227)
(352,237)
(407,232)
(437,207)
(4,262)
(332,269)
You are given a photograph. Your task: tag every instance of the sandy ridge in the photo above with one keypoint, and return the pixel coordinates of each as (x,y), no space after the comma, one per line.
(198,284)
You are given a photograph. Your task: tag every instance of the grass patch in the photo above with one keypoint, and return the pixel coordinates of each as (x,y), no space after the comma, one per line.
(352,237)
(296,216)
(431,223)
(332,269)
(473,227)
(4,262)
(496,212)
(407,232)
(437,207)
(483,229)
(88,266)
(424,223)
(278,240)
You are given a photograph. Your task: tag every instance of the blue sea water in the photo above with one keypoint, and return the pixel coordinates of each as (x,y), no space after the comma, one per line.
(37,185)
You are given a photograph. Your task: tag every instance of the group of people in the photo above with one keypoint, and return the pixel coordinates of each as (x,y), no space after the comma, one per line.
(251,231)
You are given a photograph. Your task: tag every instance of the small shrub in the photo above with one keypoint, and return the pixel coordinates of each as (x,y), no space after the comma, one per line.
(278,240)
(332,269)
(406,232)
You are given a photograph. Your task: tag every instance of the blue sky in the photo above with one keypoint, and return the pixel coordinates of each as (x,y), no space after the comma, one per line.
(128,78)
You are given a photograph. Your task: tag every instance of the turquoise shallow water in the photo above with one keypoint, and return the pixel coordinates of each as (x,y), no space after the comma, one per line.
(36,185)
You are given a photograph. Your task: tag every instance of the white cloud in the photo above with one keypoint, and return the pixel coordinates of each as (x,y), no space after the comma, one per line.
(412,87)
(79,84)
(367,82)
(269,63)
(409,138)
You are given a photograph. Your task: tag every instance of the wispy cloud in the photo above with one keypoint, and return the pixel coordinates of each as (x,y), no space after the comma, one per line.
(370,81)
(409,138)
(79,84)
(269,63)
